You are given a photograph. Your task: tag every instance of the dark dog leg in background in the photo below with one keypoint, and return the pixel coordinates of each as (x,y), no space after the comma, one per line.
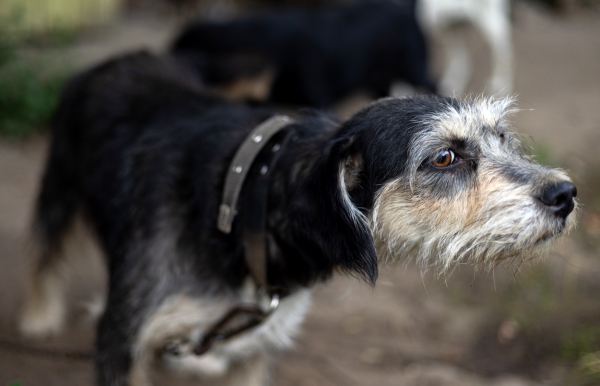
(57,205)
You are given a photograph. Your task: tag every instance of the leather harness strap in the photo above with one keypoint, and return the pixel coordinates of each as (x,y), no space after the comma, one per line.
(246,316)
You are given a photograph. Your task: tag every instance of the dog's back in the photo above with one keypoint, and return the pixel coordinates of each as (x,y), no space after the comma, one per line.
(91,104)
(110,120)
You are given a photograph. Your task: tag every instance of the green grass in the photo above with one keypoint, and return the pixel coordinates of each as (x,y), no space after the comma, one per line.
(532,297)
(29,91)
(589,365)
(586,371)
(581,343)
(27,99)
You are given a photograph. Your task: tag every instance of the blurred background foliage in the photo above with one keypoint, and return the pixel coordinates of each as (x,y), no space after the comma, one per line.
(29,89)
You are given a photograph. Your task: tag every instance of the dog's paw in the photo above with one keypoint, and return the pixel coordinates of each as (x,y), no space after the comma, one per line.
(42,317)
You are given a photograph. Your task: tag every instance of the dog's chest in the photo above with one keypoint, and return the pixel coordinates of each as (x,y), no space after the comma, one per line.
(188,319)
(278,330)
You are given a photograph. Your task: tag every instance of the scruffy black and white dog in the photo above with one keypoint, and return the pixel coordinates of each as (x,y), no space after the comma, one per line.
(142,152)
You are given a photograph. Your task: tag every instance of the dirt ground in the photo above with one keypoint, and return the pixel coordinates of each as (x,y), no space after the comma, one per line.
(539,327)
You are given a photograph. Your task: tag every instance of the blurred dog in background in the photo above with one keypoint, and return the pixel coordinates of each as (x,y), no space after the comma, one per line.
(311,57)
(142,151)
(492,18)
(318,56)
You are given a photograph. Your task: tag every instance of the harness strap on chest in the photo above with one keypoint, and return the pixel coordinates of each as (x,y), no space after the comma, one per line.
(246,316)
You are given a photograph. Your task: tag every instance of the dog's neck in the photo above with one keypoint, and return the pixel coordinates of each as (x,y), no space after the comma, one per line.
(313,229)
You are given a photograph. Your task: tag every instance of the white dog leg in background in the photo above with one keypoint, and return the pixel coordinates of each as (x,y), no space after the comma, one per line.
(457,71)
(491,18)
(496,30)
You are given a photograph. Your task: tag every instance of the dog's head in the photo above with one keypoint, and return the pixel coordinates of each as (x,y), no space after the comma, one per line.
(441,181)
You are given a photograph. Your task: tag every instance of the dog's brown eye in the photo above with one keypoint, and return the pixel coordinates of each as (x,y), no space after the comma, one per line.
(444,159)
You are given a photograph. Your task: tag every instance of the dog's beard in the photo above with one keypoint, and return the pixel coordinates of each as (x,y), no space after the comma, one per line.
(497,221)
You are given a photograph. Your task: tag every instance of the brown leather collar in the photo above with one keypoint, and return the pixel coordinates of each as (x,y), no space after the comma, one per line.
(239,167)
(254,226)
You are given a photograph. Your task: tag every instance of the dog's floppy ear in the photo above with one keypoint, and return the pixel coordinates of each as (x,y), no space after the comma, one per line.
(330,224)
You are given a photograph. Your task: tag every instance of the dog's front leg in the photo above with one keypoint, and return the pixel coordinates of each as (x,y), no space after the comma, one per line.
(113,348)
(117,328)
(113,353)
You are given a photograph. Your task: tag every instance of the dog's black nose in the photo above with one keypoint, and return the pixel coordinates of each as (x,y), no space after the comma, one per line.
(558,196)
